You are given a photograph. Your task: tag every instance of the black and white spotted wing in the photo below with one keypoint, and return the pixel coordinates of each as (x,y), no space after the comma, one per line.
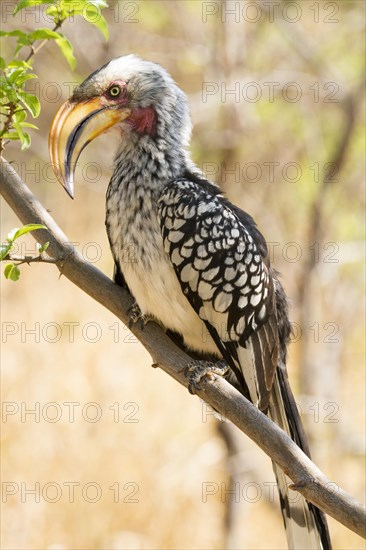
(220,260)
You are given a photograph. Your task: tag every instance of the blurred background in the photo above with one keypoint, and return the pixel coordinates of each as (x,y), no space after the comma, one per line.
(99,449)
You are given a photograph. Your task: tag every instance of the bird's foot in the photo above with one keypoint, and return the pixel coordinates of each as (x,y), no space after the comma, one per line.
(197,370)
(135,316)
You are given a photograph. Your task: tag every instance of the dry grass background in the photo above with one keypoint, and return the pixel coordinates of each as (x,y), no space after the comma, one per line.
(162,446)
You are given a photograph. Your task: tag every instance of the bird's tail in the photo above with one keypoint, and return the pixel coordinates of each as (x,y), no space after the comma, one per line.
(306,525)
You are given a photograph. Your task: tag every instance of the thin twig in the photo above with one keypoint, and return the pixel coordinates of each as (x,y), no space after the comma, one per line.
(34,50)
(19,260)
(218,393)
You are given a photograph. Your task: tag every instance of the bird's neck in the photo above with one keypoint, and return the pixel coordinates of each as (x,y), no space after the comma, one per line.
(141,171)
(143,166)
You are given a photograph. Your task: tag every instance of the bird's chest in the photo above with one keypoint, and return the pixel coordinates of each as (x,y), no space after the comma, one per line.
(137,246)
(134,234)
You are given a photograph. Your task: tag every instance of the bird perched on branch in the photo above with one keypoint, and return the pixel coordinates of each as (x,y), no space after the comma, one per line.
(200,265)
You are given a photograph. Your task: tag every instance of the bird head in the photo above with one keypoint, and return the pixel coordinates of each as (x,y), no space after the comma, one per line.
(137,97)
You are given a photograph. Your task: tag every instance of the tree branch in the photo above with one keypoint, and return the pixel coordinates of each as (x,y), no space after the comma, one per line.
(218,393)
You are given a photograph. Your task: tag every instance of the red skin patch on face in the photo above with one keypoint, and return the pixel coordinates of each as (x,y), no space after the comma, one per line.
(143,121)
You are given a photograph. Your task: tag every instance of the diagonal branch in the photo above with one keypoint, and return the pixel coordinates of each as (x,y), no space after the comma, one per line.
(218,393)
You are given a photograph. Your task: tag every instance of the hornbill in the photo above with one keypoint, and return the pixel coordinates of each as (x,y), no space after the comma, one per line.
(201,267)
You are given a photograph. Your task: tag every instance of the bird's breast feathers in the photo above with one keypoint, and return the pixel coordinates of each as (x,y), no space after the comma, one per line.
(137,246)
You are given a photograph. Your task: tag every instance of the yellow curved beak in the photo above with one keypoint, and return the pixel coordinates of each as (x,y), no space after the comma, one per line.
(75,125)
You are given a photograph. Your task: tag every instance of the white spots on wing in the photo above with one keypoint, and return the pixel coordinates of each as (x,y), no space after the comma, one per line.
(175,236)
(189,243)
(202,251)
(185,251)
(186,273)
(193,282)
(248,258)
(225,270)
(242,280)
(262,312)
(169,223)
(230,273)
(255,299)
(189,212)
(205,290)
(216,232)
(241,247)
(176,257)
(206,207)
(259,288)
(179,222)
(210,274)
(201,264)
(211,247)
(222,301)
(201,209)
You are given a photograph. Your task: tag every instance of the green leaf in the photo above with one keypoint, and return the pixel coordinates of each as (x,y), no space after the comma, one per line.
(11,235)
(100,3)
(53,11)
(24,137)
(12,33)
(93,15)
(31,102)
(21,79)
(42,248)
(12,272)
(10,135)
(91,11)
(28,125)
(2,63)
(18,63)
(43,34)
(27,3)
(65,46)
(4,250)
(14,74)
(19,116)
(16,232)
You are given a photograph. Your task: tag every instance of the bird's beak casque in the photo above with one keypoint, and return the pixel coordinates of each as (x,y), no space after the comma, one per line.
(75,125)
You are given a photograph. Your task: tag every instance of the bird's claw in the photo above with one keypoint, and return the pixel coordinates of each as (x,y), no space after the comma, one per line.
(135,316)
(197,370)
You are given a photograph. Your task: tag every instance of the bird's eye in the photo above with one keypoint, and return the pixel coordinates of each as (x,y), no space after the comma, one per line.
(114,91)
